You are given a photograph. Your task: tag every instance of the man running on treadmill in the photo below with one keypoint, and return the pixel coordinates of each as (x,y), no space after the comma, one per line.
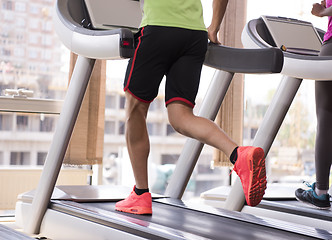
(172,41)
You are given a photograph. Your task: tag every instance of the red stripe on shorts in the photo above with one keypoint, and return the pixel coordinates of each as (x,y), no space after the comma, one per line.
(180,99)
(134,58)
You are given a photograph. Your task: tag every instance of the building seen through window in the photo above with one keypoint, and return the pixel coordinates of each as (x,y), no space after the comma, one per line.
(31,58)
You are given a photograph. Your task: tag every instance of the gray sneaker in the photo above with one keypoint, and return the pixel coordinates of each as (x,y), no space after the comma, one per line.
(310,197)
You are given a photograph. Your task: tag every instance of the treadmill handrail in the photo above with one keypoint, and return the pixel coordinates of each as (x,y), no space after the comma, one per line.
(95,44)
(240,60)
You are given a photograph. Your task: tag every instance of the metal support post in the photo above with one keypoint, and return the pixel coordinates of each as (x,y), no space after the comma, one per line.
(267,132)
(53,163)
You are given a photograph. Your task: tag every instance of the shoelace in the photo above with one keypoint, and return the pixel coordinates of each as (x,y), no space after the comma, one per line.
(309,185)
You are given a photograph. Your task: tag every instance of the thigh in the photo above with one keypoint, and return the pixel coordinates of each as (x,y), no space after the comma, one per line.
(323,89)
(184,75)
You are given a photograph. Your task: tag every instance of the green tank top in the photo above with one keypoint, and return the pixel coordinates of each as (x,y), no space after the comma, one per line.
(174,13)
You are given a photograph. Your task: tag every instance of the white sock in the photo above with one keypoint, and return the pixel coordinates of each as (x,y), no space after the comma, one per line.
(320,192)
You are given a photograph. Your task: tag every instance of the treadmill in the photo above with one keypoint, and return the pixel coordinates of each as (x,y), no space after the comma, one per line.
(87,212)
(299,64)
(11,234)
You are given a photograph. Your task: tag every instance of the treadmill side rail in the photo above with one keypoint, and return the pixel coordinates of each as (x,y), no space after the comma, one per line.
(239,60)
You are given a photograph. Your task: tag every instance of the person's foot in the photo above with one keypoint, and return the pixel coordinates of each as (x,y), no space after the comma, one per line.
(250,167)
(310,197)
(136,204)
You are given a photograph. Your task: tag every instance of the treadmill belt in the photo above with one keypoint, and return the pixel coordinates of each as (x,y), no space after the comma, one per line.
(173,221)
(7,233)
(297,208)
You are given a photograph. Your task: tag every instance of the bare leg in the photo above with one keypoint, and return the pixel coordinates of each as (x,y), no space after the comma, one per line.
(138,148)
(137,139)
(185,122)
(250,162)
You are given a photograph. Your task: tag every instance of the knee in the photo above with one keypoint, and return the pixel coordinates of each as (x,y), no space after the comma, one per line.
(177,123)
(135,108)
(179,117)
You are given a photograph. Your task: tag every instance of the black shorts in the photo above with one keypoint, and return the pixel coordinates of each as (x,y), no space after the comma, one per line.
(176,53)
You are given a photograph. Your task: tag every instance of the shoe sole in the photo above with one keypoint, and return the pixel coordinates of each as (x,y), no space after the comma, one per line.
(135,210)
(312,205)
(257,184)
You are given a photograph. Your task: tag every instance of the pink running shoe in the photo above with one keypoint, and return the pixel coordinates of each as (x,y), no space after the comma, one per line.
(136,204)
(250,167)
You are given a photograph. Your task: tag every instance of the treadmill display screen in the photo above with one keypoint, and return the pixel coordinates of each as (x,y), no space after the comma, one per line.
(293,34)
